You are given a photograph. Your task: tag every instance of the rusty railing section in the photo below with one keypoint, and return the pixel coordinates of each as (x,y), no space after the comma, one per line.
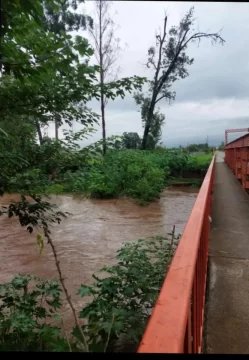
(176,324)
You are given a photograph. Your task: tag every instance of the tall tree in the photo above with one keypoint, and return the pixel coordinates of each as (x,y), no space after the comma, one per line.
(107,52)
(169,62)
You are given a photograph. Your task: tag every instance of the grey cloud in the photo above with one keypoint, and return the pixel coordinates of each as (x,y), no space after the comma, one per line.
(212,87)
(200,131)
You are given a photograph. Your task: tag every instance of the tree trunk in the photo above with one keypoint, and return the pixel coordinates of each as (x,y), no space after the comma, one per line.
(145,136)
(103,119)
(38,129)
(148,123)
(56,130)
(102,100)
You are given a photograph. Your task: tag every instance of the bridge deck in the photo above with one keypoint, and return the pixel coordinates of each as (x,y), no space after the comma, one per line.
(227,312)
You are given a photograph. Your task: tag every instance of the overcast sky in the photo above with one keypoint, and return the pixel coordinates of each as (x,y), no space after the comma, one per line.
(213,98)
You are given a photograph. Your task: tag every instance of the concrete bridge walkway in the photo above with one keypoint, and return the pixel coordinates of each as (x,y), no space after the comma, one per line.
(227,310)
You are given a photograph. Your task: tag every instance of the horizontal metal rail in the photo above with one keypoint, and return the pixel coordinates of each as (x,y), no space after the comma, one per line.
(176,323)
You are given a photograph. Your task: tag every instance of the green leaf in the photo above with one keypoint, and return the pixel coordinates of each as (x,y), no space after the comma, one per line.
(85,291)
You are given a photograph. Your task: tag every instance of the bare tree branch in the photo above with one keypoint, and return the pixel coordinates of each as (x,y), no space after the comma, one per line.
(160,49)
(163,96)
(214,36)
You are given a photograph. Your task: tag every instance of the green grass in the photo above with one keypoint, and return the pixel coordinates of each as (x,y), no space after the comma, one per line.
(203,159)
(199,162)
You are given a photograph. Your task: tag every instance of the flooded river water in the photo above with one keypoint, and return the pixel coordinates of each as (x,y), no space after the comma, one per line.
(90,237)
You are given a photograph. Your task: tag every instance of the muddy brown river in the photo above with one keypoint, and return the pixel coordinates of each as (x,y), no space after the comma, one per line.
(90,237)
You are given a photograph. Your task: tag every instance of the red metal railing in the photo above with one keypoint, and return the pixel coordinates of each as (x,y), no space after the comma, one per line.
(176,324)
(237,158)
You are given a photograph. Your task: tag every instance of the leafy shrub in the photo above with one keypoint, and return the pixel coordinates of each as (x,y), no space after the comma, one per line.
(135,173)
(138,174)
(177,160)
(75,181)
(55,189)
(32,180)
(27,304)
(128,173)
(123,295)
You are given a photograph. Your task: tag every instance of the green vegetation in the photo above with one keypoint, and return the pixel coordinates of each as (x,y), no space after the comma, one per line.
(134,173)
(28,304)
(119,303)
(130,173)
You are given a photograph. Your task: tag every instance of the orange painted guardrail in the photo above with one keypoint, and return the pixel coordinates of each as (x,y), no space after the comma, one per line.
(176,323)
(237,158)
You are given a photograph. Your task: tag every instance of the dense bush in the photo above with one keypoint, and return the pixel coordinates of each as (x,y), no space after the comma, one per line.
(33,179)
(125,294)
(138,174)
(27,304)
(131,173)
